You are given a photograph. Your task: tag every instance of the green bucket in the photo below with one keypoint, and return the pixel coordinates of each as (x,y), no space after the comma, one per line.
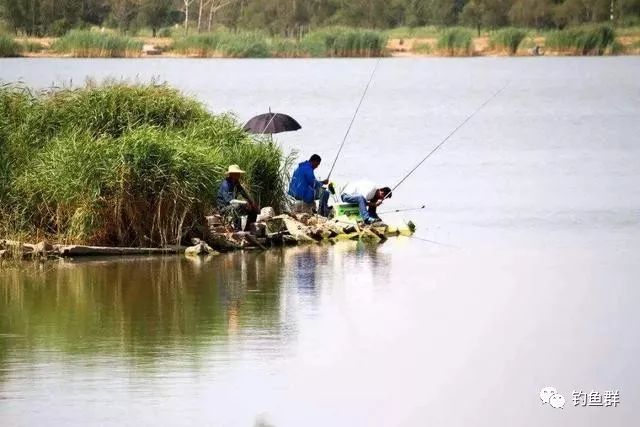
(346,209)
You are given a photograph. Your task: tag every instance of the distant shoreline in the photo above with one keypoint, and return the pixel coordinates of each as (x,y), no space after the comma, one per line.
(396,47)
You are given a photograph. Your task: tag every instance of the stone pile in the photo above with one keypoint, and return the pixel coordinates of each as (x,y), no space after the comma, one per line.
(293,229)
(270,230)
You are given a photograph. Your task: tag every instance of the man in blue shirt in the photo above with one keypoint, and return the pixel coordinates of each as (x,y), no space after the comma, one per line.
(305,187)
(227,201)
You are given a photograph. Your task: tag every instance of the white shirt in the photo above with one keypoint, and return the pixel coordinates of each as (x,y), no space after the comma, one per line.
(364,188)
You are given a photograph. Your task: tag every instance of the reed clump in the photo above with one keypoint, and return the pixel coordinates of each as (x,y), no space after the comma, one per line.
(92,44)
(344,42)
(32,46)
(586,40)
(508,39)
(120,165)
(456,41)
(223,43)
(9,47)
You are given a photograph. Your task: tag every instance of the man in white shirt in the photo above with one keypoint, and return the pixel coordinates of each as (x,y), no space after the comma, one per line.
(368,196)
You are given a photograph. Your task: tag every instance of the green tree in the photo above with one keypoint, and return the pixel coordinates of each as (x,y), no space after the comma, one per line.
(124,12)
(472,14)
(156,13)
(531,13)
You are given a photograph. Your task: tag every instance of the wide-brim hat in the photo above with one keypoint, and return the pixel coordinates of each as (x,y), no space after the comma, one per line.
(234,169)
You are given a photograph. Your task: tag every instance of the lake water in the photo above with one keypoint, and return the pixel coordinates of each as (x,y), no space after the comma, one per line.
(533,282)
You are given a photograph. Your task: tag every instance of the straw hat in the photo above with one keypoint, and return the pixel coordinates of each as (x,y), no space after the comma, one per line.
(234,169)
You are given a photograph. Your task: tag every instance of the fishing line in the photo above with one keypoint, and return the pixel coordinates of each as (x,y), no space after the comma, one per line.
(403,210)
(434,242)
(354,117)
(437,147)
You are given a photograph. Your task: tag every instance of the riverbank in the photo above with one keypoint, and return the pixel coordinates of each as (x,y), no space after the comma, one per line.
(338,42)
(276,231)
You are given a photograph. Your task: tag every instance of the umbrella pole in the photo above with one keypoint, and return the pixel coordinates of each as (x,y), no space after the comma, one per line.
(268,123)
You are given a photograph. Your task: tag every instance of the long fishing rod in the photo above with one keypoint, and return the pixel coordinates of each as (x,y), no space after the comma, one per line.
(437,147)
(333,165)
(403,210)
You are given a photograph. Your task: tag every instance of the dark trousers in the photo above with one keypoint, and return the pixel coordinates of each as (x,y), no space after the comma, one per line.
(236,212)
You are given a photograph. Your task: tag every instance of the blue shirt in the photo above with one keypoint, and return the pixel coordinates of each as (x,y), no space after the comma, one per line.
(228,191)
(303,183)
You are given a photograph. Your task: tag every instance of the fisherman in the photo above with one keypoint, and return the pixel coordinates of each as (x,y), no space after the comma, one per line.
(367,196)
(305,187)
(227,201)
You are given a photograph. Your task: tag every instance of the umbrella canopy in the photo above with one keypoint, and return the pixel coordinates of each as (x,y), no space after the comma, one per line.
(271,123)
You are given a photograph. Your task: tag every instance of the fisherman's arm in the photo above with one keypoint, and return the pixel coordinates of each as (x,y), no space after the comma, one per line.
(246,195)
(311,180)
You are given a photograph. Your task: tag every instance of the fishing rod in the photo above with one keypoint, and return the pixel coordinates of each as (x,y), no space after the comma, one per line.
(404,210)
(333,165)
(437,147)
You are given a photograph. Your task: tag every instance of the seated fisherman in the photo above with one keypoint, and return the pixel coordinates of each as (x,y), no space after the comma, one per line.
(367,196)
(230,188)
(305,187)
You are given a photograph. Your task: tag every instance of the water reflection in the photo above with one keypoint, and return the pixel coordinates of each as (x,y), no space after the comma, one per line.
(143,307)
(137,305)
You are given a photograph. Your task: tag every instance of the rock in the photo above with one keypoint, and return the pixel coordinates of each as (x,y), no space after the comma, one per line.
(289,240)
(319,233)
(199,249)
(42,248)
(276,224)
(149,49)
(391,230)
(224,242)
(302,207)
(379,231)
(3,253)
(321,219)
(369,236)
(258,229)
(349,229)
(214,220)
(266,214)
(303,217)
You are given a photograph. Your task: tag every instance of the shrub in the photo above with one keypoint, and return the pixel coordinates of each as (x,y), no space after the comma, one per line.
(120,164)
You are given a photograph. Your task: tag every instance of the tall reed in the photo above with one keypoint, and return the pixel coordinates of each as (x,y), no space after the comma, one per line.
(344,42)
(121,165)
(9,47)
(508,39)
(456,41)
(585,40)
(223,43)
(92,44)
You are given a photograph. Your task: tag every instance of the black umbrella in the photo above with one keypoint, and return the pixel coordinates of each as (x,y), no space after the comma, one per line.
(271,123)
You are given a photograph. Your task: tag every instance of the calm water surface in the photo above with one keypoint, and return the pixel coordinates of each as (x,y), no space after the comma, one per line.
(537,200)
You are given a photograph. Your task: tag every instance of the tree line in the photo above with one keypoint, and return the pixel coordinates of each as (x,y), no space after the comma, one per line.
(295,17)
